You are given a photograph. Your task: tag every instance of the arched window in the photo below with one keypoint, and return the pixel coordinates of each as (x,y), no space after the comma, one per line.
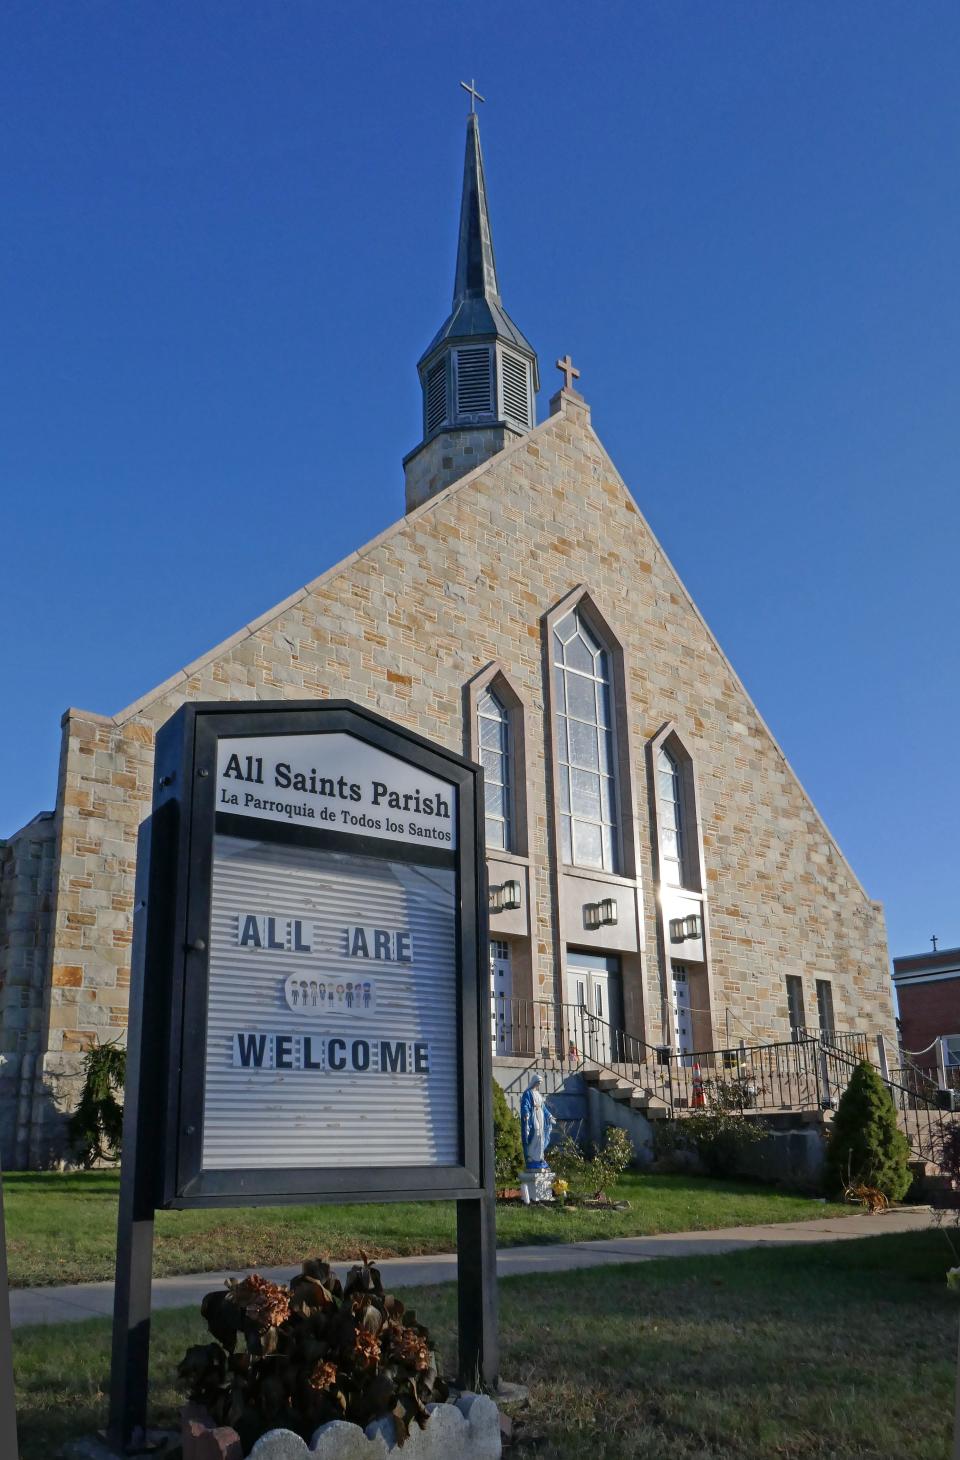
(493,738)
(670,793)
(585,751)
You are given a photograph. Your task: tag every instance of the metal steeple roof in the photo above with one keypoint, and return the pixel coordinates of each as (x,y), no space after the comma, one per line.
(477,311)
(476,273)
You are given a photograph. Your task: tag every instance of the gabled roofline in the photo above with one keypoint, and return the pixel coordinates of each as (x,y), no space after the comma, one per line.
(563,400)
(254,626)
(735,676)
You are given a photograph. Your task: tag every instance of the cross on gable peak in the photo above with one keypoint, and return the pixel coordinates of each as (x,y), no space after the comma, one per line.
(568,370)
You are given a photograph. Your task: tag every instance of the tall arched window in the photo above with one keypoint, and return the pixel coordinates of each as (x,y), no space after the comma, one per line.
(585,752)
(493,737)
(671,819)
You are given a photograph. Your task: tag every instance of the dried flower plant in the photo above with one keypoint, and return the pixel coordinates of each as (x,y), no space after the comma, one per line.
(294,1356)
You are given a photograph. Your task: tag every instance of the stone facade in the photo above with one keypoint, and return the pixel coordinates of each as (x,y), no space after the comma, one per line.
(402,626)
(27,874)
(446,458)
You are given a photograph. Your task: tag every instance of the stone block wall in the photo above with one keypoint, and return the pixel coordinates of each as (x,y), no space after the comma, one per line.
(27,870)
(401,626)
(447,457)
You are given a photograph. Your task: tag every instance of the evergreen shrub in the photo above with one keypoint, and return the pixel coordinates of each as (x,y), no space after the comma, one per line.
(866,1144)
(96,1125)
(507,1146)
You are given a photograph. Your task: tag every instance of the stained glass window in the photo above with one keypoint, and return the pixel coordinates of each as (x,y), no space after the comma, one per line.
(584,721)
(493,736)
(671,819)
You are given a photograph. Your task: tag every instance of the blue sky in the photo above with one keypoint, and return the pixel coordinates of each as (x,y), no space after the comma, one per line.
(229,233)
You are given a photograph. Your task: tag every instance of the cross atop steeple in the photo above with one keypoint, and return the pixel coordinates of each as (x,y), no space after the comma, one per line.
(474,94)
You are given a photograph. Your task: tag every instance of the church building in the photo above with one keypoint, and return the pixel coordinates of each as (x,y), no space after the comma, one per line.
(653,860)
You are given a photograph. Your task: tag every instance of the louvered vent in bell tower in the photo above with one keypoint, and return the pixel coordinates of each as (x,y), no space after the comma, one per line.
(435,397)
(474,383)
(515,389)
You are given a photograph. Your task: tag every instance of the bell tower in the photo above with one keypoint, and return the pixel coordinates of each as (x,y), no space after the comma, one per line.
(479,374)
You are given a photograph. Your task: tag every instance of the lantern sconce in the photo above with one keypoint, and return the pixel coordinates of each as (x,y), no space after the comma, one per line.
(508,897)
(600,914)
(683,928)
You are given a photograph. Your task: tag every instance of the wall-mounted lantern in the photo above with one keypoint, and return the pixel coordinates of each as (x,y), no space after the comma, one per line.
(683,928)
(508,897)
(600,914)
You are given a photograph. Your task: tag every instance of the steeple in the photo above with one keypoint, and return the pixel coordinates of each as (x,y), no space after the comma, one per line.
(479,374)
(477,311)
(476,267)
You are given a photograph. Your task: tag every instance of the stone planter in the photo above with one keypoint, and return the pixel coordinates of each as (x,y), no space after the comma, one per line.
(466,1430)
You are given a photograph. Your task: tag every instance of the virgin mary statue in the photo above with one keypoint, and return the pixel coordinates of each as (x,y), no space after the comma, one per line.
(536,1125)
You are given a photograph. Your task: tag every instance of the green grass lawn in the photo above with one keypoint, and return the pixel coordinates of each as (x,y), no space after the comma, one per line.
(62,1228)
(839,1352)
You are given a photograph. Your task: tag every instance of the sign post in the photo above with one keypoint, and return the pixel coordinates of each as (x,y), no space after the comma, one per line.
(8,1403)
(308,1001)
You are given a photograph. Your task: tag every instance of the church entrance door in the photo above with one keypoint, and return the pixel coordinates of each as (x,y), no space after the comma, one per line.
(682,1010)
(594,1006)
(501,995)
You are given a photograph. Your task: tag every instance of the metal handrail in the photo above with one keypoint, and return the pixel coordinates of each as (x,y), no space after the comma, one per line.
(807,1072)
(922,1119)
(777,1076)
(849,1041)
(545,1029)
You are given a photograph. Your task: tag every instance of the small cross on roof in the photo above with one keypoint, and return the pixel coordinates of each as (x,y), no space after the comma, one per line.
(474,94)
(568,370)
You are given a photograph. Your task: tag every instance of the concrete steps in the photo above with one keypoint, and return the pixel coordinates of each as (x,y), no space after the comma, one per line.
(626,1088)
(626,1084)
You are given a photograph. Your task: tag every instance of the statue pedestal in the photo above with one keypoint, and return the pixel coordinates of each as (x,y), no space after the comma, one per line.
(537,1185)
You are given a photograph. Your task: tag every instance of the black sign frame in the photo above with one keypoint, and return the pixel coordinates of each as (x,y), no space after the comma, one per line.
(162,1138)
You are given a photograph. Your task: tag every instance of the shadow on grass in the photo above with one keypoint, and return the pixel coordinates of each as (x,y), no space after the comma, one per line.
(79,1183)
(828,1352)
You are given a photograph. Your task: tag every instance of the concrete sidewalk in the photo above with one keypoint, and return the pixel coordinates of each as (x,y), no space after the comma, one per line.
(95,1300)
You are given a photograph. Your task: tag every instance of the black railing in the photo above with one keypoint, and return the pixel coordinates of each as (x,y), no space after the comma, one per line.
(565,1034)
(810,1071)
(921,1117)
(848,1041)
(779,1076)
(765,1077)
(917,1081)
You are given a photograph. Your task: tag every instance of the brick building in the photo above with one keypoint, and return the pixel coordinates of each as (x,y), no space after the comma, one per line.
(652,856)
(928,994)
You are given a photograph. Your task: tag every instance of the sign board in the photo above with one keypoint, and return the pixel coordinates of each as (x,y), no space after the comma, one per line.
(332,998)
(309,1006)
(325,989)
